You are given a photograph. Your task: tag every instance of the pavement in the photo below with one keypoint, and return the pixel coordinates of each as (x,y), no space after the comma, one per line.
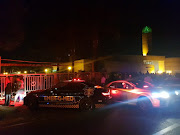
(110,120)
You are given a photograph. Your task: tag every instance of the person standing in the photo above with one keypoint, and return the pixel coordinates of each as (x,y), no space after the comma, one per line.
(8,90)
(103,80)
(20,89)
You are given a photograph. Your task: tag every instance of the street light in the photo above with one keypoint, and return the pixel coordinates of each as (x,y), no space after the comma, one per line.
(25,72)
(46,70)
(69,68)
(5,73)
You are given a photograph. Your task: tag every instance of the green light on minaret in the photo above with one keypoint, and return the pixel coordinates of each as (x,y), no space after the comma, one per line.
(146,30)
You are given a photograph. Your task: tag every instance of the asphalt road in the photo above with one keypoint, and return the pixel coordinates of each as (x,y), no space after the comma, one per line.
(119,120)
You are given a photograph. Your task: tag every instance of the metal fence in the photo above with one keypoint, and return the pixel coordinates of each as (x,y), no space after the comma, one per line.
(31,82)
(44,81)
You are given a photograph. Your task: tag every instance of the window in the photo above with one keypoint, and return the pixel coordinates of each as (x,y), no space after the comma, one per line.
(113,85)
(119,85)
(147,62)
(124,85)
(128,86)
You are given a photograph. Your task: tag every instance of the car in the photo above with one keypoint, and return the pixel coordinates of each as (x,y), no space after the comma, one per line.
(143,94)
(172,88)
(68,94)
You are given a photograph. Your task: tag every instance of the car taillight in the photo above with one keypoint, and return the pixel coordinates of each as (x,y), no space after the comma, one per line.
(114,91)
(97,86)
(105,93)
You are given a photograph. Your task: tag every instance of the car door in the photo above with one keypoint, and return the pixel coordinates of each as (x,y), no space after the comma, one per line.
(129,93)
(116,91)
(133,93)
(49,96)
(71,92)
(123,87)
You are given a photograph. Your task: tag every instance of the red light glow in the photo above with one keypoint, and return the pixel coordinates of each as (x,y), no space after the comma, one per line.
(97,86)
(114,91)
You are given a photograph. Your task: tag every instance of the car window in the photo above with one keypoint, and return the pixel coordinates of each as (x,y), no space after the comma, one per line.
(128,86)
(69,86)
(113,85)
(123,85)
(79,86)
(60,85)
(142,84)
(119,85)
(73,86)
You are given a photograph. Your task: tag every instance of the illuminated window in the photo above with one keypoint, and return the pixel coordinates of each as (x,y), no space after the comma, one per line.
(168,71)
(147,62)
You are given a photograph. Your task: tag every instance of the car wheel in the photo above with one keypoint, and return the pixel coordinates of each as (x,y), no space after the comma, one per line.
(33,103)
(144,104)
(86,104)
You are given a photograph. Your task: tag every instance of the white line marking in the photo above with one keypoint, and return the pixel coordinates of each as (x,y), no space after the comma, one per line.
(165,130)
(19,124)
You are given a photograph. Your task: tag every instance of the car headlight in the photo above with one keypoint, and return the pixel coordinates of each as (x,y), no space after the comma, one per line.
(162,94)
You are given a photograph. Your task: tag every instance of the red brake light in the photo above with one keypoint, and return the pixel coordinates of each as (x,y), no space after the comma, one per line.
(97,86)
(74,79)
(114,91)
(78,79)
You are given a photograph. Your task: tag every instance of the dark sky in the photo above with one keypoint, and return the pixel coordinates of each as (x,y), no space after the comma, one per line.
(48,30)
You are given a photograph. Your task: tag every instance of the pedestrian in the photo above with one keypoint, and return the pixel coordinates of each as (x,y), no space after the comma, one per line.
(20,89)
(8,90)
(129,78)
(103,80)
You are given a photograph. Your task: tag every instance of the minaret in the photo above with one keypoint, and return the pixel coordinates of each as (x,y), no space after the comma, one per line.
(146,40)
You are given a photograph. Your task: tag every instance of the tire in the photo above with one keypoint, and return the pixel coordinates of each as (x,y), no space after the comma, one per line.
(86,104)
(32,103)
(144,105)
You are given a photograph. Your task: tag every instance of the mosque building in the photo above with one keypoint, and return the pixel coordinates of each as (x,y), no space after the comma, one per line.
(134,63)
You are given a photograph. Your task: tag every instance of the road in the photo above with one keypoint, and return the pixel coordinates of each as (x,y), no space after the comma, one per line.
(119,120)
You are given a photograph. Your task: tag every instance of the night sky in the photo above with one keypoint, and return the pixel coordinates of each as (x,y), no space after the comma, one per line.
(48,30)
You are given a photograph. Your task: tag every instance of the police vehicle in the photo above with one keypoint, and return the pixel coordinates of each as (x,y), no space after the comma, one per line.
(74,93)
(143,94)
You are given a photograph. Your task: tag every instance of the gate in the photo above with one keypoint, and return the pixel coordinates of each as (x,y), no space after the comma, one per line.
(38,82)
(31,82)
